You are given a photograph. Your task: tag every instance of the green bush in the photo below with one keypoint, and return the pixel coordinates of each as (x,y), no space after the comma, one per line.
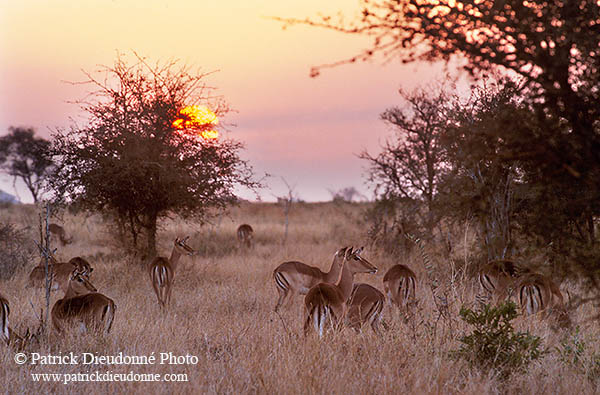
(573,351)
(493,343)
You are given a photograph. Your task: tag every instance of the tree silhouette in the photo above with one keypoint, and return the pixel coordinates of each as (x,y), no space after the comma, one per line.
(25,156)
(410,164)
(131,161)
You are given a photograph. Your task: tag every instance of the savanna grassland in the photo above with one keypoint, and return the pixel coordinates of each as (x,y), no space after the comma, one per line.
(222,313)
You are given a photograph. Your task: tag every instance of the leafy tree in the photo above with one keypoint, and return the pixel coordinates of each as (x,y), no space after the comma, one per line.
(25,156)
(485,181)
(132,161)
(410,165)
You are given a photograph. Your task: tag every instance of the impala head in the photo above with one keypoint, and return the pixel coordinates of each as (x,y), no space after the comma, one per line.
(82,266)
(79,284)
(356,263)
(182,247)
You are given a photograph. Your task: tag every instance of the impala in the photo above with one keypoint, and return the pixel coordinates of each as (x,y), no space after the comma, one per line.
(399,284)
(327,302)
(297,278)
(6,333)
(497,278)
(58,231)
(4,312)
(59,272)
(365,307)
(244,235)
(538,293)
(162,270)
(83,305)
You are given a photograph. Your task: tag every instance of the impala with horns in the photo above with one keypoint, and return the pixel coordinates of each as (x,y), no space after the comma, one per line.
(59,272)
(399,284)
(326,304)
(58,231)
(245,234)
(365,307)
(83,307)
(497,279)
(162,270)
(297,278)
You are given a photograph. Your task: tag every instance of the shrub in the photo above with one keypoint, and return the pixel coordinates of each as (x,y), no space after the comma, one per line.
(15,250)
(573,351)
(493,343)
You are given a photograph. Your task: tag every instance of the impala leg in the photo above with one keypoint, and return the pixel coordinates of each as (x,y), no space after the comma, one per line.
(376,318)
(282,295)
(307,321)
(169,290)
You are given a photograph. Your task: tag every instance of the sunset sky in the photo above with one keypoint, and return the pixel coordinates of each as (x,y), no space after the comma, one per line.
(306,130)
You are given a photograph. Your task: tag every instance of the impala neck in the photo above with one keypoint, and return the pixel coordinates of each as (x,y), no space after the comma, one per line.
(345,282)
(334,272)
(70,293)
(174,259)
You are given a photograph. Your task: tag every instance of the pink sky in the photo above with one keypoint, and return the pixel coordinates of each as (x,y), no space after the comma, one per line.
(306,130)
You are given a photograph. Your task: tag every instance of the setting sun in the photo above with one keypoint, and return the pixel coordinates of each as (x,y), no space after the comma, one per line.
(195,120)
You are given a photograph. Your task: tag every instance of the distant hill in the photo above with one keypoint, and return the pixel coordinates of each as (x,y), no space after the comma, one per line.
(8,198)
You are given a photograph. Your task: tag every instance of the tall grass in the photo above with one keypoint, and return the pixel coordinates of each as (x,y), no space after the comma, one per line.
(222,313)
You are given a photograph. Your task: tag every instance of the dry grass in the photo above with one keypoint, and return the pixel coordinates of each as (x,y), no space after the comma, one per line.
(222,313)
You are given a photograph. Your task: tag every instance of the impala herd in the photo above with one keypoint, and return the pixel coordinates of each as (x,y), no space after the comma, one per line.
(331,299)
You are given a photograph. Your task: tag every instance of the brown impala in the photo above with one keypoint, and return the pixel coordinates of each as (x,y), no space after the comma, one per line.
(162,270)
(59,272)
(83,307)
(244,235)
(365,307)
(326,304)
(297,278)
(399,284)
(497,278)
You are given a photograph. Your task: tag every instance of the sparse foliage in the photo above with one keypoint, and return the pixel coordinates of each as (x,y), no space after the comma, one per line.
(390,221)
(15,250)
(25,156)
(410,165)
(347,194)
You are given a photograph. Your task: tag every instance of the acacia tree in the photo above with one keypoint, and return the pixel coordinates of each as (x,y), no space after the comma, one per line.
(25,156)
(130,160)
(410,165)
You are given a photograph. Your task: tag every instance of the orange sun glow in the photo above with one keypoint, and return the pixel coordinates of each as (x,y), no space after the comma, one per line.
(197,120)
